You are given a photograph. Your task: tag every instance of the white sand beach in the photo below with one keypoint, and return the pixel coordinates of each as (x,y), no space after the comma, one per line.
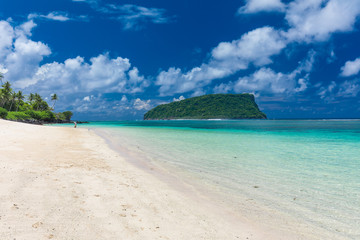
(66,183)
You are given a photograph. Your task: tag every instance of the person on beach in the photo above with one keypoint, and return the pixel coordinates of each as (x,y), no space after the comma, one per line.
(75,124)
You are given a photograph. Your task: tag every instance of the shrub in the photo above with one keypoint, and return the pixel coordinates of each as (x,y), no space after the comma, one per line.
(18,116)
(47,116)
(3,113)
(34,114)
(60,116)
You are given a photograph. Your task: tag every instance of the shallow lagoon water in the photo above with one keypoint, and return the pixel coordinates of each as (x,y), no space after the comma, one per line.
(305,169)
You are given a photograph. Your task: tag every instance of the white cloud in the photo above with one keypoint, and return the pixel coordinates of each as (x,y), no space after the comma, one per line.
(316,20)
(309,21)
(198,92)
(350,68)
(102,74)
(349,89)
(256,46)
(223,88)
(178,99)
(6,38)
(20,56)
(133,17)
(55,16)
(254,6)
(88,98)
(142,105)
(21,62)
(227,58)
(325,91)
(174,81)
(266,81)
(99,107)
(346,89)
(124,98)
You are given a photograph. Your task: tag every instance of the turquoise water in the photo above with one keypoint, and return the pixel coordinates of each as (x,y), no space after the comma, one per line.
(308,170)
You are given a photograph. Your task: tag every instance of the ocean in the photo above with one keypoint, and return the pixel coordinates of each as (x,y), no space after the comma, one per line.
(297,175)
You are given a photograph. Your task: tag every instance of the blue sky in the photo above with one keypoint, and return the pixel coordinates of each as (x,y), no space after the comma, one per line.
(114,60)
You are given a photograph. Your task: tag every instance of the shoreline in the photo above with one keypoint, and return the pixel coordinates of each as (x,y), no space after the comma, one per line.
(65,183)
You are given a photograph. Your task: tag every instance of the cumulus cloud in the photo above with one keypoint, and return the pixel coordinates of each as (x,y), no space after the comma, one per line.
(350,68)
(267,81)
(6,38)
(316,20)
(101,74)
(178,99)
(255,6)
(310,20)
(255,47)
(80,83)
(142,105)
(19,55)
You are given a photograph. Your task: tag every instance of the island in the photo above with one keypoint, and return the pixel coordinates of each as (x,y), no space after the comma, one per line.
(212,106)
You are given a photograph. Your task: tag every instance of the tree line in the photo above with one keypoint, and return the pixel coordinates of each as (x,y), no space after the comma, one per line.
(17,106)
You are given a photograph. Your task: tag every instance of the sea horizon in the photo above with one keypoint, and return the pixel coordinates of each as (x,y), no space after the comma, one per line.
(210,119)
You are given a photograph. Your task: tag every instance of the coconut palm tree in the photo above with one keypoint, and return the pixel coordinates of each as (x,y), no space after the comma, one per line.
(38,100)
(31,98)
(12,99)
(54,98)
(20,97)
(6,94)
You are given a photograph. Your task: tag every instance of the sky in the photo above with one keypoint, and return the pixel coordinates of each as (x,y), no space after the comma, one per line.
(115,60)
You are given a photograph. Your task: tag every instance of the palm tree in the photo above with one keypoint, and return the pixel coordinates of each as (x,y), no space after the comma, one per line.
(38,100)
(31,97)
(12,99)
(20,97)
(54,98)
(6,93)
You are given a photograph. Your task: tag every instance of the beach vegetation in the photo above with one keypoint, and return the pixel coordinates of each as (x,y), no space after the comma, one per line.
(19,107)
(18,116)
(3,113)
(54,97)
(67,115)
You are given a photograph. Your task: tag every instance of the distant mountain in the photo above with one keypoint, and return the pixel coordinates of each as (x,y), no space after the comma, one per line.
(213,106)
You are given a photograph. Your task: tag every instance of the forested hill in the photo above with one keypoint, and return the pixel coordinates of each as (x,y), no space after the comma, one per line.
(213,106)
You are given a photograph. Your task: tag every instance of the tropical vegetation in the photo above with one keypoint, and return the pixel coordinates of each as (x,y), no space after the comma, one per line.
(213,106)
(32,108)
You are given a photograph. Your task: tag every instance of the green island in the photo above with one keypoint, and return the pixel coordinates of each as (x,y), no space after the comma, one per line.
(212,106)
(35,110)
